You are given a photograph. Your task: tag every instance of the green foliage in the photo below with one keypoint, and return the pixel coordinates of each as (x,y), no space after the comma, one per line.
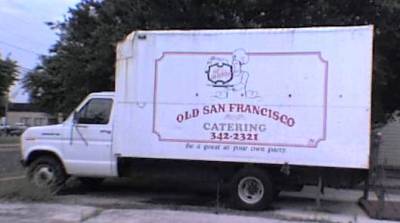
(8,74)
(83,59)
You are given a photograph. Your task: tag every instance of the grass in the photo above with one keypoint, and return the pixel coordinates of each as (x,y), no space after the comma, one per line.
(23,190)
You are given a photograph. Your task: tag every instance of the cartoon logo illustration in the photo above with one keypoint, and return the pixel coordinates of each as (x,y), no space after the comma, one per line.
(230,78)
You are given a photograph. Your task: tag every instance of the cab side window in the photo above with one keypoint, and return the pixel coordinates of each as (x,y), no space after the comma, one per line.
(95,111)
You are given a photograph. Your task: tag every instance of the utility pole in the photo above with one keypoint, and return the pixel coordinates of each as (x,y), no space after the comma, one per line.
(6,110)
(4,102)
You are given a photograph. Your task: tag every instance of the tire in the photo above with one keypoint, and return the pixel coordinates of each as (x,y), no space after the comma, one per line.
(47,173)
(91,182)
(251,189)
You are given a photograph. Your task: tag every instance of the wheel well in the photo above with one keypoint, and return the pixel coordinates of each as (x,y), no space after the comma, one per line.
(38,153)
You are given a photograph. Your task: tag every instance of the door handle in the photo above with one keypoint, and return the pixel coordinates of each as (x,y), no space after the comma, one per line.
(105,131)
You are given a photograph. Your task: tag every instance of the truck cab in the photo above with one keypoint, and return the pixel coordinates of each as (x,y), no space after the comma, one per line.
(80,146)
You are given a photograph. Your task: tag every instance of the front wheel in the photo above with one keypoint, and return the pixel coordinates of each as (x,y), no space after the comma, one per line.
(47,173)
(252,189)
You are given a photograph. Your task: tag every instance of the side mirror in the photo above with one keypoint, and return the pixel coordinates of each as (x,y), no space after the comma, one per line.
(75,118)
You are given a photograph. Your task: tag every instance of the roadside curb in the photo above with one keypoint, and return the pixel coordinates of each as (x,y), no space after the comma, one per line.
(8,178)
(177,216)
(9,150)
(52,213)
(9,147)
(74,217)
(62,213)
(9,144)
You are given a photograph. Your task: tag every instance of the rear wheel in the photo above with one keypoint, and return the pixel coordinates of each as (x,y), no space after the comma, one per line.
(252,189)
(47,173)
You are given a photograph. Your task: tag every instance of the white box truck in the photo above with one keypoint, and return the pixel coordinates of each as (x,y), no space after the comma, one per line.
(262,110)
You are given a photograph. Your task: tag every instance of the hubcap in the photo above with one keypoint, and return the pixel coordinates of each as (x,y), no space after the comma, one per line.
(44,176)
(250,190)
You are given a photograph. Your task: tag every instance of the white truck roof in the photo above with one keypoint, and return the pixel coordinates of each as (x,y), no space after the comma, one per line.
(103,93)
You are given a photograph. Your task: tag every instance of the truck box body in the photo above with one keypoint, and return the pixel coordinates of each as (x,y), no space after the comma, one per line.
(298,96)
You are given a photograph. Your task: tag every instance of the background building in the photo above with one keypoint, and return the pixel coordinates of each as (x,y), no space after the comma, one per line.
(27,114)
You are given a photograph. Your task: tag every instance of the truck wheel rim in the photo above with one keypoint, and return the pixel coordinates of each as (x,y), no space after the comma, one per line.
(250,190)
(44,176)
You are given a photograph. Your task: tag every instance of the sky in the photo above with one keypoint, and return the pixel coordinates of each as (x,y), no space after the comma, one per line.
(24,36)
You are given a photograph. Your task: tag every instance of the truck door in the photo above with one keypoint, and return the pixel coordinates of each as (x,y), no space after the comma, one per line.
(89,152)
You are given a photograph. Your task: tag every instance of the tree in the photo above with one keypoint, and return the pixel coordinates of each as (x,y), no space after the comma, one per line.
(8,74)
(83,59)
